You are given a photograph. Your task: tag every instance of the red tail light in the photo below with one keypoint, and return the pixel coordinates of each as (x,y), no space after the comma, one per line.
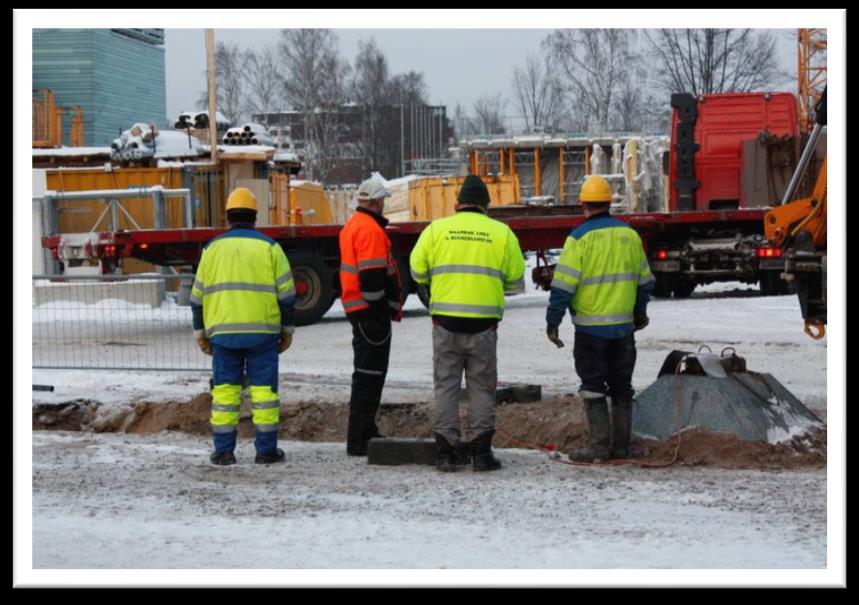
(769,252)
(661,254)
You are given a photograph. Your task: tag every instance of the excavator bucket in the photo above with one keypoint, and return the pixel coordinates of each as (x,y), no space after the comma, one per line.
(719,394)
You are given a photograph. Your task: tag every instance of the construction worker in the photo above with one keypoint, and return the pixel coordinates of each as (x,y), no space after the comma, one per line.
(243,302)
(604,279)
(468,260)
(372,296)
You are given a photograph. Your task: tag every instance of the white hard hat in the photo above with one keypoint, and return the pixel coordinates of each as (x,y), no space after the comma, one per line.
(373,188)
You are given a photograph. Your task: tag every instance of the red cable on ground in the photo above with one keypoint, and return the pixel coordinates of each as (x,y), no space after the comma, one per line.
(552,451)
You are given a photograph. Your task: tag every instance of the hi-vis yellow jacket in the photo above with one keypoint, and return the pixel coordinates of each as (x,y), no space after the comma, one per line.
(603,277)
(468,260)
(244,284)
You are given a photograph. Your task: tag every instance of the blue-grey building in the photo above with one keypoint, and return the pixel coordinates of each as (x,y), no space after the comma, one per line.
(117,76)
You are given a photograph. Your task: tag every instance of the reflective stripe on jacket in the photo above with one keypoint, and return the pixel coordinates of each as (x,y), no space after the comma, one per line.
(242,281)
(469,260)
(599,273)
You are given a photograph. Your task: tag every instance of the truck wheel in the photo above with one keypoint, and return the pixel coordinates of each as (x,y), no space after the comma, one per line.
(772,284)
(683,288)
(313,286)
(662,288)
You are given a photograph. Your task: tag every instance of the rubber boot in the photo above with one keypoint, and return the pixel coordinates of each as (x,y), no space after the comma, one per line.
(445,460)
(270,458)
(596,410)
(481,453)
(621,427)
(222,458)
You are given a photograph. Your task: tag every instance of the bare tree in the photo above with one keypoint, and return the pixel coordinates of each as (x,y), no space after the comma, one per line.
(314,78)
(263,80)
(369,87)
(488,115)
(702,61)
(229,94)
(538,94)
(408,88)
(595,64)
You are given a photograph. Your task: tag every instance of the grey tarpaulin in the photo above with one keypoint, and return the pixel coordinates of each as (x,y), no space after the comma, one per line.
(753,406)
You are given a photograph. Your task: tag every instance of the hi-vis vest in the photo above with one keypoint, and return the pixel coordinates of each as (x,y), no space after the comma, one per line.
(241,278)
(365,245)
(468,260)
(601,266)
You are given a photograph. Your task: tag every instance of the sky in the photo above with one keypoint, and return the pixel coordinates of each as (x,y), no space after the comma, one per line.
(459,65)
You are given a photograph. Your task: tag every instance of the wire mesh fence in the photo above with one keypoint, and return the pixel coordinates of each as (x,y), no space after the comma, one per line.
(139,322)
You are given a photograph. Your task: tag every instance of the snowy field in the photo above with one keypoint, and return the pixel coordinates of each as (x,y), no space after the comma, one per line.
(153,501)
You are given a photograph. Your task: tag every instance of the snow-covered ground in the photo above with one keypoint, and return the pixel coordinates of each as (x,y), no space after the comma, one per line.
(131,501)
(126,501)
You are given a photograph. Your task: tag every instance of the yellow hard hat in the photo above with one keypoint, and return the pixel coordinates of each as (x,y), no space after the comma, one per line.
(242,198)
(595,189)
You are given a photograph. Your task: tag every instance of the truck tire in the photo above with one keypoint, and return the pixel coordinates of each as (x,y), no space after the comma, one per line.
(662,288)
(772,284)
(313,285)
(683,287)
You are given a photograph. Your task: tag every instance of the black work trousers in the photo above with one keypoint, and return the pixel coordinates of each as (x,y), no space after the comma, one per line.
(371,342)
(605,365)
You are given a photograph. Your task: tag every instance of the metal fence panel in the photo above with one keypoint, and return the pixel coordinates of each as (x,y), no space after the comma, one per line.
(128,322)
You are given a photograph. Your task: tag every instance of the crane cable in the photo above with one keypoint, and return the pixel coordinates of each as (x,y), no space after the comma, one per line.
(551,450)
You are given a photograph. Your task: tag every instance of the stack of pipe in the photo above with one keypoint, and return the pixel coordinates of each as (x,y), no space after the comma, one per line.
(249,134)
(199,121)
(136,143)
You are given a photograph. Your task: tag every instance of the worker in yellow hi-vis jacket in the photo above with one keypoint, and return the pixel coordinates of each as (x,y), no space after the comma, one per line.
(603,278)
(243,303)
(468,260)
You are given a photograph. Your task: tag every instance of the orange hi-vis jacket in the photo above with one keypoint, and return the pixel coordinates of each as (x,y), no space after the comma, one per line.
(369,278)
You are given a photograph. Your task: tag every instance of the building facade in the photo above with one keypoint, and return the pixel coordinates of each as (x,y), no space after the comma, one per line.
(117,76)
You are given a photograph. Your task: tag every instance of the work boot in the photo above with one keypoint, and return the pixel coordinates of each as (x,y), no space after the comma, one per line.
(481,453)
(621,427)
(596,410)
(445,459)
(276,456)
(222,458)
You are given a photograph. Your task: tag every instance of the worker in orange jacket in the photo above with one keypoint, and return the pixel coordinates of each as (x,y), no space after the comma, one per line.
(372,296)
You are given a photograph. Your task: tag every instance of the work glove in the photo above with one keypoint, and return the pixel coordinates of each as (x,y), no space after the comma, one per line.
(641,320)
(203,342)
(285,338)
(552,334)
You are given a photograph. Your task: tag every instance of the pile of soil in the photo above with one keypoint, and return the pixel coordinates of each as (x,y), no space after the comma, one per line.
(558,423)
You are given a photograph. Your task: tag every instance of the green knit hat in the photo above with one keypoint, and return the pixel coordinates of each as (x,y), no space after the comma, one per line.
(473,191)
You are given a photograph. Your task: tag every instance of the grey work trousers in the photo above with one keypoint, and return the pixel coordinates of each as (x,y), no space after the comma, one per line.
(475,354)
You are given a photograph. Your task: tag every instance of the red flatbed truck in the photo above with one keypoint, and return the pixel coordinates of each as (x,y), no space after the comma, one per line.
(313,250)
(713,231)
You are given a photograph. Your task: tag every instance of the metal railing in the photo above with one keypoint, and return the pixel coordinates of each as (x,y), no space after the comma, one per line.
(114,322)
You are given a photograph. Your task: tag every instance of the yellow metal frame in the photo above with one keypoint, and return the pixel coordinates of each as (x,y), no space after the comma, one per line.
(811,68)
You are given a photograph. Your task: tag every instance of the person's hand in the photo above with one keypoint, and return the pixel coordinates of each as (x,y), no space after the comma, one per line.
(203,342)
(552,334)
(285,339)
(641,321)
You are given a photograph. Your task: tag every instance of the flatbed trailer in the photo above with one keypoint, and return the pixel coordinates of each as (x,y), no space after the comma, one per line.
(716,245)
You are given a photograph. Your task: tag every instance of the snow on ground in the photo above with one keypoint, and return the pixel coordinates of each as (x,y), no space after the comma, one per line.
(154,501)
(126,501)
(767,331)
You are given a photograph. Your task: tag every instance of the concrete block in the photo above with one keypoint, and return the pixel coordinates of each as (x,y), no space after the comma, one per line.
(396,451)
(137,292)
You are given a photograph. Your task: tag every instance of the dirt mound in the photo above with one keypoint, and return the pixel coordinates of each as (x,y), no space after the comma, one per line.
(559,422)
